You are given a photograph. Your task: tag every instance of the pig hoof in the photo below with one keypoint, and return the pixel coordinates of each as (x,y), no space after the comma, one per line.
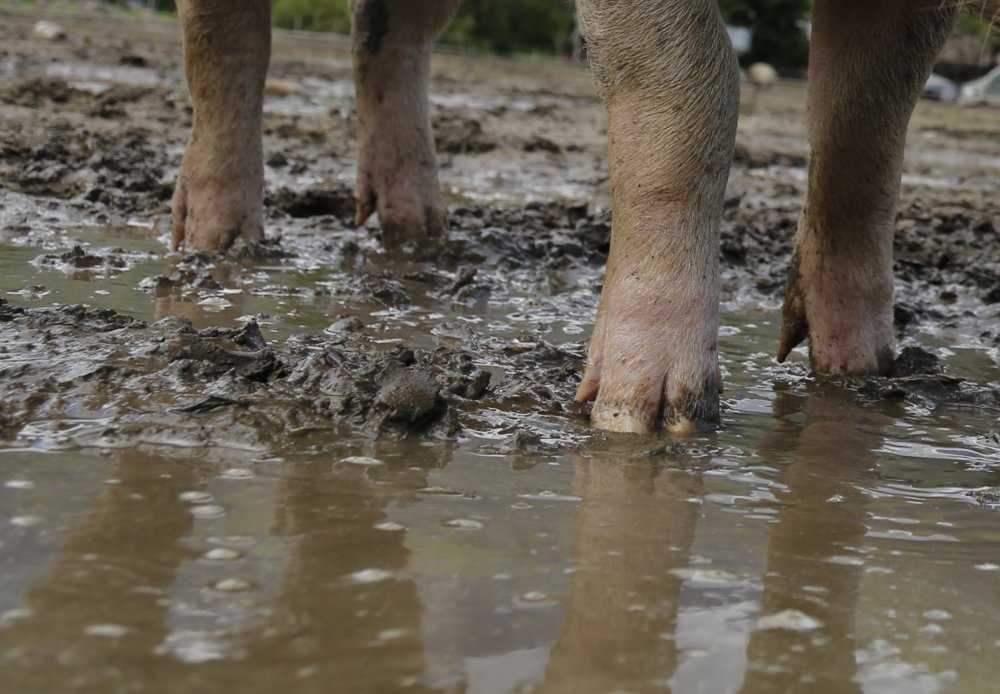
(849,333)
(637,398)
(619,419)
(210,214)
(406,213)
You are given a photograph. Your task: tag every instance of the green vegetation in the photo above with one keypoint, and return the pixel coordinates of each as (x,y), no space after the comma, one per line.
(970,25)
(509,26)
(527,26)
(312,15)
(499,26)
(545,26)
(777,37)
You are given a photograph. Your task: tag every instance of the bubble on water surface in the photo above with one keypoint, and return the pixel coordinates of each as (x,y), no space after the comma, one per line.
(25,521)
(110,631)
(206,511)
(535,599)
(222,554)
(215,303)
(195,497)
(790,620)
(391,634)
(846,560)
(938,615)
(362,460)
(463,524)
(389,526)
(881,570)
(547,495)
(232,585)
(369,576)
(11,616)
(19,484)
(444,491)
(194,647)
(238,473)
(707,577)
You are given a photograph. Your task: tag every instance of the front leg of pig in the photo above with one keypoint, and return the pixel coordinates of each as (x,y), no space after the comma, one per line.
(218,196)
(667,76)
(868,62)
(397,163)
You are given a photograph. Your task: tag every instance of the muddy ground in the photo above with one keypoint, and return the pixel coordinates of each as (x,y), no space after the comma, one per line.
(92,129)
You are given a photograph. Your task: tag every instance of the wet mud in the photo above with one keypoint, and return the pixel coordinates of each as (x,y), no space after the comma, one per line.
(423,505)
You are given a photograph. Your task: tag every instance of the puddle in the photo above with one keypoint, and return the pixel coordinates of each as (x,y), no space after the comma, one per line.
(304,463)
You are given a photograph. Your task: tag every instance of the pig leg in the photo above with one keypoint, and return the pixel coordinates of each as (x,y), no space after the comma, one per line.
(868,63)
(218,197)
(667,77)
(397,164)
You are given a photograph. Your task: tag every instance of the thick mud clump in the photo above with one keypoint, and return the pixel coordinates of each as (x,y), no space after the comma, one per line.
(166,380)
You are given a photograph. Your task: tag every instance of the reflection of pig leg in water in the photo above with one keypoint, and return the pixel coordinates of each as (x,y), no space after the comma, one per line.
(806,633)
(324,620)
(108,578)
(635,524)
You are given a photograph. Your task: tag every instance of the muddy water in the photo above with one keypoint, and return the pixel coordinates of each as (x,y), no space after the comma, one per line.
(307,464)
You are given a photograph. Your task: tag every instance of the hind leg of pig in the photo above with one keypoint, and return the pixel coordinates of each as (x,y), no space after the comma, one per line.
(667,77)
(218,196)
(397,163)
(868,63)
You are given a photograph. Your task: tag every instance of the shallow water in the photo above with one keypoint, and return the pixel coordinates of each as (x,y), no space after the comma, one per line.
(821,540)
(172,530)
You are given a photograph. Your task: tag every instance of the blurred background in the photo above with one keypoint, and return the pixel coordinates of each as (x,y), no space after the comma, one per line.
(771,31)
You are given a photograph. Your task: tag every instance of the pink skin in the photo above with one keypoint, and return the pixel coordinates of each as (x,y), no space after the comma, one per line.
(219,192)
(667,77)
(839,293)
(397,162)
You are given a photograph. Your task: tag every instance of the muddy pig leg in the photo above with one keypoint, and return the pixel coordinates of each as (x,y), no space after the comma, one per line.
(667,77)
(868,62)
(218,197)
(397,164)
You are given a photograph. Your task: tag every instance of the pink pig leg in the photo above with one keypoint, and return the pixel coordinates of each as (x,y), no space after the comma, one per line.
(868,62)
(397,164)
(218,196)
(667,76)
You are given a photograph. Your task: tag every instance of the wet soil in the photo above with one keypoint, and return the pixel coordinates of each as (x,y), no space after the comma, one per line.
(363,393)
(109,150)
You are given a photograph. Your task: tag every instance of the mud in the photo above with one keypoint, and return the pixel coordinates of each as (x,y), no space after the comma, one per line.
(109,151)
(71,359)
(422,505)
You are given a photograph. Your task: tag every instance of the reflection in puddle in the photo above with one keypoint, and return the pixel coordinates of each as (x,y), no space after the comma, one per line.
(792,567)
